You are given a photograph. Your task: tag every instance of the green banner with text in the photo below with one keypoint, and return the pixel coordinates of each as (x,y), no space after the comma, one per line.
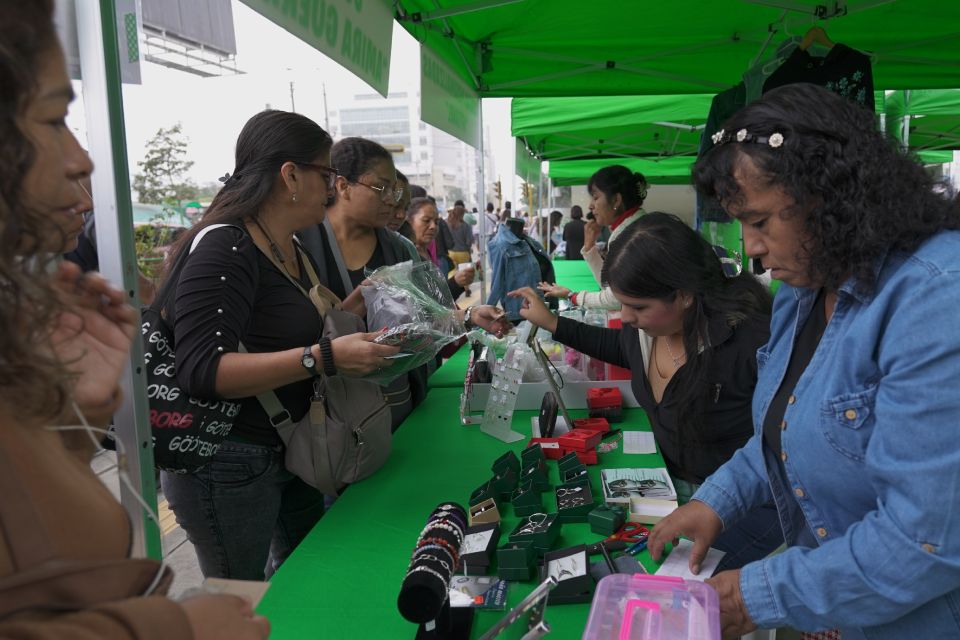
(446,101)
(358,34)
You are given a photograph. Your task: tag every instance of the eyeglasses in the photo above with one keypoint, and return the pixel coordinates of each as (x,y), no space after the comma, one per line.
(389,195)
(329,172)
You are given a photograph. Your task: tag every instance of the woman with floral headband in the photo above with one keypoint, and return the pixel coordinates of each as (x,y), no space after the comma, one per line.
(855,411)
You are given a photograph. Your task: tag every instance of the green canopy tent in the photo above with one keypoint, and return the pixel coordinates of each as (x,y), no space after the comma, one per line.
(933,118)
(610,126)
(515,48)
(671,170)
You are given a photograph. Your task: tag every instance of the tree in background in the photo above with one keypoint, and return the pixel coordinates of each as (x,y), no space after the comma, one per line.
(162,178)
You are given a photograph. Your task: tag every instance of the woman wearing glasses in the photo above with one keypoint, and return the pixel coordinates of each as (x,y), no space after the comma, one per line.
(244,512)
(694,366)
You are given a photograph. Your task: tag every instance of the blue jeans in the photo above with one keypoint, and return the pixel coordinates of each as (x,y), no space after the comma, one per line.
(754,537)
(243,512)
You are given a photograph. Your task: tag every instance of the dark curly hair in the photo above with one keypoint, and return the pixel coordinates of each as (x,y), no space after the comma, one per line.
(860,194)
(32,379)
(615,179)
(658,256)
(354,157)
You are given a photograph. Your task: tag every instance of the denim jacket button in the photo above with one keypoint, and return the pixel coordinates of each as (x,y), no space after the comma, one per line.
(850,414)
(799,492)
(783,425)
(929,548)
(822,532)
(791,399)
(783,456)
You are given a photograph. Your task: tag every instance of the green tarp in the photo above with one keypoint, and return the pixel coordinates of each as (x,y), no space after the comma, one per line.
(610,126)
(672,170)
(516,48)
(934,119)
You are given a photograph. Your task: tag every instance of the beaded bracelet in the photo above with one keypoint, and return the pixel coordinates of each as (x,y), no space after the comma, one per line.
(441,514)
(444,527)
(440,541)
(443,524)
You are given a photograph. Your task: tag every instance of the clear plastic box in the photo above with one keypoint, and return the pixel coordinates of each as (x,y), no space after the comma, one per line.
(642,607)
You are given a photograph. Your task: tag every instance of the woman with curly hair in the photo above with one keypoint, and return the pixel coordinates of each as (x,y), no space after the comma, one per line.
(65,565)
(855,410)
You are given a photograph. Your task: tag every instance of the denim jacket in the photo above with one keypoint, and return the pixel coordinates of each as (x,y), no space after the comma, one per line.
(514,266)
(869,489)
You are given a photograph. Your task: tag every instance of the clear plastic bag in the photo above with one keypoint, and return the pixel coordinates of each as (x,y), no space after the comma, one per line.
(413,300)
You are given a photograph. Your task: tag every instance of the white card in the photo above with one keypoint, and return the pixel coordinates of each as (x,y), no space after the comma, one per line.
(476,542)
(639,442)
(677,563)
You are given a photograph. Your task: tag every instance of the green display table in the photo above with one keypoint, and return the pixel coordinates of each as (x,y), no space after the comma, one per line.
(343,579)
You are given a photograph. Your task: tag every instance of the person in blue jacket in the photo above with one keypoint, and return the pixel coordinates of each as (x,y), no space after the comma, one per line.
(856,410)
(516,261)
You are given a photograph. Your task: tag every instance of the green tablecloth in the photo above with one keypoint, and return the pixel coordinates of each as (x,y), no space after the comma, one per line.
(451,373)
(343,579)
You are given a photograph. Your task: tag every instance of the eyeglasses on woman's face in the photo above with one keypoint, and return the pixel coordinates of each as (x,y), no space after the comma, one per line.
(329,172)
(389,194)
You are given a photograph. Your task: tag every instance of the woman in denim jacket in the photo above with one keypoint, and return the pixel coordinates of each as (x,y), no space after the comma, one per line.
(856,407)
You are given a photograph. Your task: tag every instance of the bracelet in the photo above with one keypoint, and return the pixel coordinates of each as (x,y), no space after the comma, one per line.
(441,514)
(432,558)
(433,547)
(326,354)
(443,521)
(455,551)
(445,581)
(458,534)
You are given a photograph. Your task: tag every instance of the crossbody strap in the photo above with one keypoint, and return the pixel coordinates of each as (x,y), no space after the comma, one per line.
(338,257)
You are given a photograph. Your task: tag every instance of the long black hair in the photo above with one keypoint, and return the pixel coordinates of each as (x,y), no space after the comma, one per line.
(615,179)
(657,257)
(267,141)
(860,194)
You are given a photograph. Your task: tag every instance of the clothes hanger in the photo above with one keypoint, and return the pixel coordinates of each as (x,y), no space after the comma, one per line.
(816,35)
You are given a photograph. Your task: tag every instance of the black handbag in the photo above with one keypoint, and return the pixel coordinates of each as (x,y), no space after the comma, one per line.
(186,431)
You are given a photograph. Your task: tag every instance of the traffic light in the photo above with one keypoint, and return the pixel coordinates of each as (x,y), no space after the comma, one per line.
(499,192)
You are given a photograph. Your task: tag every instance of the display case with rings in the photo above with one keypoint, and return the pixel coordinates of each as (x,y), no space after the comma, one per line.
(484,492)
(476,552)
(517,560)
(541,528)
(571,569)
(509,460)
(484,512)
(505,482)
(574,501)
(526,499)
(533,453)
(572,474)
(536,471)
(569,461)
(606,520)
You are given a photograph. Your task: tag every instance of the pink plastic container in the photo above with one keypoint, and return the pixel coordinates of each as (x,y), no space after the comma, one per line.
(642,607)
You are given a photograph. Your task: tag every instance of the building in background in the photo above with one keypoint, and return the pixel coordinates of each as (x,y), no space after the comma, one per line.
(446,167)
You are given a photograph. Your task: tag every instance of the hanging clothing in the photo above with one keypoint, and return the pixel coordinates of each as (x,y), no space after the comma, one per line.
(844,71)
(724,104)
(515,264)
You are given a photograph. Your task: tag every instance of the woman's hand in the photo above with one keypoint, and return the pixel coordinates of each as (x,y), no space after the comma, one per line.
(92,338)
(357,355)
(490,319)
(591,233)
(735,621)
(224,617)
(694,520)
(534,309)
(355,302)
(465,277)
(554,290)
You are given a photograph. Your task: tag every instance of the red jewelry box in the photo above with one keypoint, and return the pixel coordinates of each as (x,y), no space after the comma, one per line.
(593,424)
(551,447)
(580,439)
(604,398)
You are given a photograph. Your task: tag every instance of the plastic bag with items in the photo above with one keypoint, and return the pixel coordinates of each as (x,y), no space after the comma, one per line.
(413,300)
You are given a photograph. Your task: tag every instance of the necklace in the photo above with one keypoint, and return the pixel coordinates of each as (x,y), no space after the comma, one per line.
(676,360)
(274,247)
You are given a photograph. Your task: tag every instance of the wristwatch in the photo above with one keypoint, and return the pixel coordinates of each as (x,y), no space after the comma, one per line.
(466,317)
(309,362)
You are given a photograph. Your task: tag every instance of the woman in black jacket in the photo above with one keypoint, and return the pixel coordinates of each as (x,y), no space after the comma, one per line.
(694,364)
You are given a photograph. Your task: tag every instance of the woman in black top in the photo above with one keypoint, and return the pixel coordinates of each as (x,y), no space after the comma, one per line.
(694,364)
(244,512)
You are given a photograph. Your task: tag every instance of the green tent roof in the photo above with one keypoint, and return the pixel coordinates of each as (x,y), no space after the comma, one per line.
(612,47)
(610,126)
(934,118)
(672,170)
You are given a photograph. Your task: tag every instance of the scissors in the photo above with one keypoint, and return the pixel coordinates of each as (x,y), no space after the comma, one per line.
(630,538)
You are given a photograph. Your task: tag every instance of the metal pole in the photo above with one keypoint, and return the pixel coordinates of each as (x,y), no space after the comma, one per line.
(293,104)
(103,101)
(482,218)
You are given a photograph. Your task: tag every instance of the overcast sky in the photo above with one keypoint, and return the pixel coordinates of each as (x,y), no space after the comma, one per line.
(213,110)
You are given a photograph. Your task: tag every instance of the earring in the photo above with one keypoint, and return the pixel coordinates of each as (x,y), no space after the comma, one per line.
(294,196)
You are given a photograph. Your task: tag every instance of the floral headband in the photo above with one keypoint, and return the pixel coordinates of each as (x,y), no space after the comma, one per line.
(722,136)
